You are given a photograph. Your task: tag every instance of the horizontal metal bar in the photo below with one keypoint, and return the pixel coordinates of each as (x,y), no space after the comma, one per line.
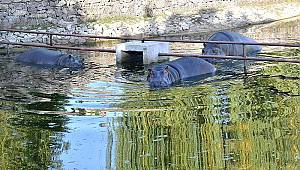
(228,42)
(160,54)
(232,57)
(60,47)
(153,39)
(71,35)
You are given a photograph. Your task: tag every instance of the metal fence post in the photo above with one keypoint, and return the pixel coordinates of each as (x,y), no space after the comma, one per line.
(51,39)
(7,49)
(245,61)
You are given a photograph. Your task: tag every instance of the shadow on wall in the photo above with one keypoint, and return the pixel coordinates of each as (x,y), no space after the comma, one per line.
(206,20)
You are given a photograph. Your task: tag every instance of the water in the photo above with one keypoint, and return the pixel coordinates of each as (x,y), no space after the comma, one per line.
(106,117)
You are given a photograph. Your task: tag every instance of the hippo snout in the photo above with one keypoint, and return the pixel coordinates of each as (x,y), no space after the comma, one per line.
(77,63)
(71,61)
(158,84)
(213,51)
(158,78)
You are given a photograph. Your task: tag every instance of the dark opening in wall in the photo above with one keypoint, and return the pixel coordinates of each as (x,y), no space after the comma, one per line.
(132,57)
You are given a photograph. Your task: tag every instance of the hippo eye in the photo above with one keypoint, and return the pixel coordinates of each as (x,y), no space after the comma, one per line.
(166,72)
(150,73)
(216,51)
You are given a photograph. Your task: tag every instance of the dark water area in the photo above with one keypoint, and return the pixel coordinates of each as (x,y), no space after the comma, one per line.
(107,117)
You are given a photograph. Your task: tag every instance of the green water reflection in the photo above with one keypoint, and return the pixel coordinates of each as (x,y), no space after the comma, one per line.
(247,123)
(31,141)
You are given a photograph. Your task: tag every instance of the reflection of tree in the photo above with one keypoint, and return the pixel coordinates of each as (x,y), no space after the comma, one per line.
(30,141)
(264,111)
(177,129)
(173,134)
(168,139)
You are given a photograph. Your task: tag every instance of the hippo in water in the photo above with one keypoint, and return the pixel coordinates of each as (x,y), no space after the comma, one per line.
(230,49)
(50,58)
(166,74)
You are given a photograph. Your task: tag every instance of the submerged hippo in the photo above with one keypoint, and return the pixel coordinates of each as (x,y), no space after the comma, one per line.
(164,75)
(230,49)
(50,58)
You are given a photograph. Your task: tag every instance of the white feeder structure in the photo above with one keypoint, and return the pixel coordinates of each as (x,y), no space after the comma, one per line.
(149,50)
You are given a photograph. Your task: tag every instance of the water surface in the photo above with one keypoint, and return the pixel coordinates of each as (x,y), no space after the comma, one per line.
(107,117)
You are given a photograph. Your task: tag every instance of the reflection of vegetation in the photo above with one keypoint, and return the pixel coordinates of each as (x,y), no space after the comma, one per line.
(265,116)
(168,139)
(170,98)
(30,141)
(178,128)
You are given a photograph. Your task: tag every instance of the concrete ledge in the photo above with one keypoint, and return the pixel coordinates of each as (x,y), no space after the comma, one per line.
(127,52)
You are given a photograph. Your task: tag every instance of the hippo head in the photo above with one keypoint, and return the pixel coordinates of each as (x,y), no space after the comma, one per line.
(160,76)
(70,61)
(213,51)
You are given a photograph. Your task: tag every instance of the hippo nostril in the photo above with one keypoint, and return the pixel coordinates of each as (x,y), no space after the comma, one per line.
(164,84)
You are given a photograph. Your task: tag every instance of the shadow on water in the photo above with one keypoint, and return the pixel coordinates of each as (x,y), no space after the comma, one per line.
(227,121)
(55,102)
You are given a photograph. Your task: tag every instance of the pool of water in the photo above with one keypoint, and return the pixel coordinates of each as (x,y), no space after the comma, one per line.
(107,117)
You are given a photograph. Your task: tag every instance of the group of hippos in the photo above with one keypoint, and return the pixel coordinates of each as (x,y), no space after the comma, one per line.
(162,75)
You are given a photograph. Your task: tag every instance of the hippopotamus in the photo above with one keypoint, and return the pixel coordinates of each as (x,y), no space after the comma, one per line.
(166,74)
(230,49)
(50,58)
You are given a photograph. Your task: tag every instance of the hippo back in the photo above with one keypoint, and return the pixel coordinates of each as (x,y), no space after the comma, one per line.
(40,56)
(232,49)
(50,58)
(191,67)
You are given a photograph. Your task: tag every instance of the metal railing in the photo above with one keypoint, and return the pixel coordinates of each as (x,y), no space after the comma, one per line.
(59,47)
(231,57)
(243,57)
(51,34)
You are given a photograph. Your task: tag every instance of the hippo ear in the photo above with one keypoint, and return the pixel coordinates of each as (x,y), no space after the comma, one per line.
(150,72)
(70,56)
(166,70)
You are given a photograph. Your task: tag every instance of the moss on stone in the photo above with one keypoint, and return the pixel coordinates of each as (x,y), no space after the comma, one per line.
(101,42)
(36,27)
(112,19)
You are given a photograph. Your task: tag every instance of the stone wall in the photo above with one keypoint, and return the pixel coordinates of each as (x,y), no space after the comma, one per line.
(59,12)
(138,17)
(33,13)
